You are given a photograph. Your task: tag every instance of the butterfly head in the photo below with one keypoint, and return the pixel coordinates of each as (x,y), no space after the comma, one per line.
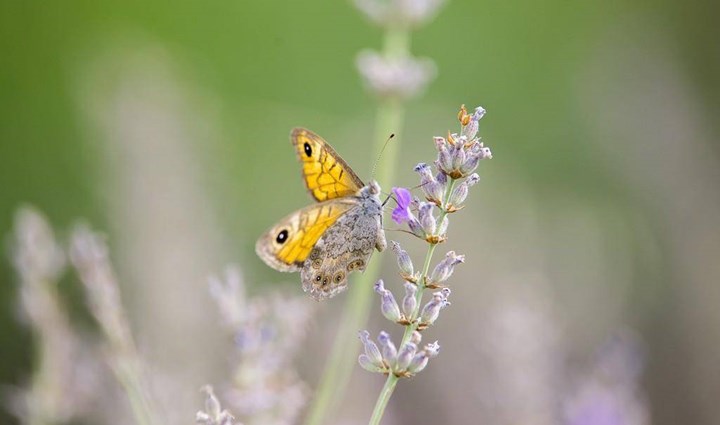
(372,188)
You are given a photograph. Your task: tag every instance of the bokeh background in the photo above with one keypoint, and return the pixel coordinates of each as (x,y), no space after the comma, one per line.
(165,125)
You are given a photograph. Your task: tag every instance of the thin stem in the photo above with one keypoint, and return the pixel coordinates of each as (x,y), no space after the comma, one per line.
(333,384)
(383,399)
(391,381)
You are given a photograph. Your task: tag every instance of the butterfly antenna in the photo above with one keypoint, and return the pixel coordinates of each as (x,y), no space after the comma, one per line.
(374,168)
(389,197)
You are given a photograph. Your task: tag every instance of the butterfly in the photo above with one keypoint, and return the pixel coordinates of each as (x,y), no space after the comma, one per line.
(334,237)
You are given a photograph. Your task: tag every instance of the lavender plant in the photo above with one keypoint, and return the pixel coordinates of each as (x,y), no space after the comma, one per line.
(267,331)
(89,255)
(445,191)
(62,360)
(392,76)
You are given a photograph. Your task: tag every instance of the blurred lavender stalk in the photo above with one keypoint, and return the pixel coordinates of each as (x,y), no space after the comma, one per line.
(154,131)
(393,76)
(610,394)
(520,355)
(267,332)
(89,256)
(59,365)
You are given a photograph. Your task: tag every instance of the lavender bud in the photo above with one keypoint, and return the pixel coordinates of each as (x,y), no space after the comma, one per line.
(470,130)
(444,159)
(478,114)
(416,337)
(458,195)
(426,218)
(371,350)
(441,178)
(405,356)
(389,351)
(403,259)
(432,349)
(415,227)
(445,268)
(472,179)
(485,152)
(431,187)
(431,310)
(368,365)
(418,363)
(409,301)
(388,306)
(470,164)
(458,155)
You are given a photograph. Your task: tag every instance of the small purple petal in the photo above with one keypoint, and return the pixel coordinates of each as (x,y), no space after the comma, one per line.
(402,213)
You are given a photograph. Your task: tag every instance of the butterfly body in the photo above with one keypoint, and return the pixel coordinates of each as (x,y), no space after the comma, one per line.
(328,240)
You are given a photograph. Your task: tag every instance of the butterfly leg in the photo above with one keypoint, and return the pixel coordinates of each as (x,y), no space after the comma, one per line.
(380,242)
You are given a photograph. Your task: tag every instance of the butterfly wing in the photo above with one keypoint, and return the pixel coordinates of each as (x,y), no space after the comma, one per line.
(325,173)
(344,247)
(286,246)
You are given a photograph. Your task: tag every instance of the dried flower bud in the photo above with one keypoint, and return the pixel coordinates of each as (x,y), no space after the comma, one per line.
(416,337)
(463,116)
(445,268)
(409,301)
(403,259)
(371,350)
(388,306)
(387,347)
(405,356)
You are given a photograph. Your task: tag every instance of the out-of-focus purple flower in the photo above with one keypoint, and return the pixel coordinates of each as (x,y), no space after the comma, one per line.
(402,213)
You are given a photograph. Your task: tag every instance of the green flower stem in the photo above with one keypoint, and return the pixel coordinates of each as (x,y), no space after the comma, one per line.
(383,399)
(391,381)
(343,358)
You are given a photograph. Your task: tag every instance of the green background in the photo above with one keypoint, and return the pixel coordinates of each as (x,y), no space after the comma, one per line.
(262,67)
